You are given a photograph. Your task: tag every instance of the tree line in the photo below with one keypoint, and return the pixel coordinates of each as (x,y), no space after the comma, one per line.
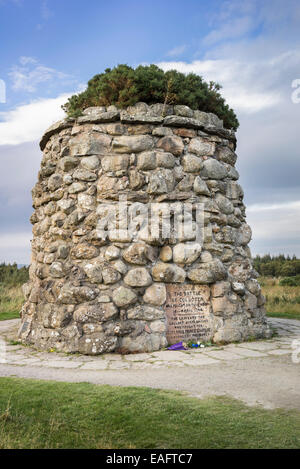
(12,275)
(277,266)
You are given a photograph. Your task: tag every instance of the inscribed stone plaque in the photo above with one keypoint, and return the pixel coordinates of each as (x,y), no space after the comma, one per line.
(187,312)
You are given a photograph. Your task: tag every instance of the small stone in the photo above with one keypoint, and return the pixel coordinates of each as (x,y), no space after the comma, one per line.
(77,187)
(62,251)
(223,306)
(226,155)
(224,204)
(90,162)
(186,253)
(138,277)
(165,160)
(146,160)
(155,294)
(57,270)
(207,273)
(120,266)
(181,110)
(168,273)
(49,258)
(67,179)
(139,253)
(166,254)
(220,289)
(234,190)
(161,182)
(206,256)
(162,131)
(253,286)
(238,288)
(84,251)
(192,163)
(185,133)
(84,175)
(110,275)
(112,252)
(66,205)
(241,270)
(115,162)
(145,313)
(94,272)
(124,297)
(136,179)
(135,143)
(244,234)
(99,313)
(213,169)
(201,117)
(90,144)
(186,183)
(70,294)
(55,181)
(86,202)
(103,299)
(172,144)
(97,342)
(68,163)
(201,147)
(200,187)
(250,301)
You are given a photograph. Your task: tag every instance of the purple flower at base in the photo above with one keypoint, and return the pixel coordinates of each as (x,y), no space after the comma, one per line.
(178,346)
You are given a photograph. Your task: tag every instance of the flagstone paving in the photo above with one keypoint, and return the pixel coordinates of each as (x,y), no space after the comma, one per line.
(274,376)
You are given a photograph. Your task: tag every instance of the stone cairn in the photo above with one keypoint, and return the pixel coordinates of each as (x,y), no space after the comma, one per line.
(91,294)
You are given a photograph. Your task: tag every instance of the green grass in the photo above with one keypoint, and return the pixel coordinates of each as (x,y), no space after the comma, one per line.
(40,414)
(9,315)
(11,299)
(288,315)
(282,301)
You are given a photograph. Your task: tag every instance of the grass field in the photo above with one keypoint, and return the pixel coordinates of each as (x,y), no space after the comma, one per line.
(40,414)
(282,301)
(11,299)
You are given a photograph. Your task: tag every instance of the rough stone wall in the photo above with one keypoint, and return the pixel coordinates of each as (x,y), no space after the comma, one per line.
(92,295)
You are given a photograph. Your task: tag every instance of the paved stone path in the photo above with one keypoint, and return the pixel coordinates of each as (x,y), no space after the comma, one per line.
(260,372)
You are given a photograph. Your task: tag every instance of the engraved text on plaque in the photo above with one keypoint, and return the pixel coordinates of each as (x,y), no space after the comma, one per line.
(187,312)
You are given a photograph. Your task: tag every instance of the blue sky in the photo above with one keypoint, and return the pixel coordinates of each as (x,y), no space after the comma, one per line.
(50,48)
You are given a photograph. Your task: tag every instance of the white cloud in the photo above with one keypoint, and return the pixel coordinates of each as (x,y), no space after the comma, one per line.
(238,78)
(15,247)
(45,10)
(28,122)
(30,74)
(24,60)
(176,51)
(10,240)
(233,29)
(271,207)
(276,228)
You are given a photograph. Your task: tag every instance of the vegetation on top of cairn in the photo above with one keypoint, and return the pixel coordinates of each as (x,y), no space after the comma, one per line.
(124,86)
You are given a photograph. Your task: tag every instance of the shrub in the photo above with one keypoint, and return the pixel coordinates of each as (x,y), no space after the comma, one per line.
(11,275)
(124,86)
(290,281)
(277,266)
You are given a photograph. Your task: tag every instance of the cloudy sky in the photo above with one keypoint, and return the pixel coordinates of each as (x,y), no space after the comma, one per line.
(50,48)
